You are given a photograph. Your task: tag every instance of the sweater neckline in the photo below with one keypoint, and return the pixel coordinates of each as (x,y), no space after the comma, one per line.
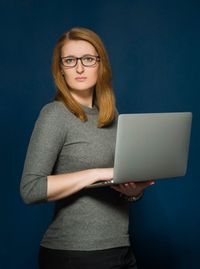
(90,110)
(87,110)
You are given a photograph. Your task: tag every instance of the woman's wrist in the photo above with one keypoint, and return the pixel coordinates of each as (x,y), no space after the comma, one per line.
(132,198)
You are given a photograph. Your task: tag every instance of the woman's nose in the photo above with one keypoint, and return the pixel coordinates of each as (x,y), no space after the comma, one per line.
(79,67)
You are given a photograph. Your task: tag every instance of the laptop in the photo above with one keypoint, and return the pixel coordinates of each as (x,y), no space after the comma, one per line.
(150,146)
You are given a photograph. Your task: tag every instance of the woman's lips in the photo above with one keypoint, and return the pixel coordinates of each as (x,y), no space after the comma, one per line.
(80,78)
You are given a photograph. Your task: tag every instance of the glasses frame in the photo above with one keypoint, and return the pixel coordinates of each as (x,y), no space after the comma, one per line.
(97,58)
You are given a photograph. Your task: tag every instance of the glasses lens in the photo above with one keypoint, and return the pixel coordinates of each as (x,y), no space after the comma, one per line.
(69,62)
(88,60)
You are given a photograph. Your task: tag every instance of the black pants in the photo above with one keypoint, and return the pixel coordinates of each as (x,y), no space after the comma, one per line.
(115,258)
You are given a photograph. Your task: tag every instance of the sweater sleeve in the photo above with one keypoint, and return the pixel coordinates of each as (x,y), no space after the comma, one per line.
(46,142)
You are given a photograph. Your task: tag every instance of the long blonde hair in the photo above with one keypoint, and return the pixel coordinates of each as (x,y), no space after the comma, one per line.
(103,94)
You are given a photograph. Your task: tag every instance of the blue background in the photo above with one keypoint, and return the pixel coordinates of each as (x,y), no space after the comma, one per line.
(154,52)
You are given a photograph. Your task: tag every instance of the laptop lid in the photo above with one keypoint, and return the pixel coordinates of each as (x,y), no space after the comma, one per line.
(151,146)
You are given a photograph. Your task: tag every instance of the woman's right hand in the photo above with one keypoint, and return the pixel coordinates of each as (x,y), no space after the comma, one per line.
(102,174)
(63,185)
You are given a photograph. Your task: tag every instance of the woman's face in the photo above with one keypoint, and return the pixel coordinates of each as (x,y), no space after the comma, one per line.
(79,78)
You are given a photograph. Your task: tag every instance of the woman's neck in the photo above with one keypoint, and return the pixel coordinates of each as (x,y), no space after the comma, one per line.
(84,98)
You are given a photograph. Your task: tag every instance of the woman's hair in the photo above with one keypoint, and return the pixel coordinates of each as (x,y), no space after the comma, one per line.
(103,94)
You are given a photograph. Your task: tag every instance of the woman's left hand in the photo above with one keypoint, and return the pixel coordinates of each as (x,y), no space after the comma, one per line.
(133,188)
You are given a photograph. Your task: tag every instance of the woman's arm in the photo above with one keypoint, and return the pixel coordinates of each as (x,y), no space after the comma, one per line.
(37,183)
(60,186)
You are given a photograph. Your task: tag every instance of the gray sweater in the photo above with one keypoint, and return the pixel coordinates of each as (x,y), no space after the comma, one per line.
(91,219)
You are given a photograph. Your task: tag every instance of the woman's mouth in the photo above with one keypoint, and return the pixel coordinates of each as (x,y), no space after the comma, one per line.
(80,78)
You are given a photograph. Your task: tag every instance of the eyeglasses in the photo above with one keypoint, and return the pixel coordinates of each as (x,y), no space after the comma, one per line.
(86,60)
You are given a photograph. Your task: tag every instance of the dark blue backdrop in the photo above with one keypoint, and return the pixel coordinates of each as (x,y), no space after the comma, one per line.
(154,52)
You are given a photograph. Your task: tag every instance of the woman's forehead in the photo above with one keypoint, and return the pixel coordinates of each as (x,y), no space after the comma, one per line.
(77,48)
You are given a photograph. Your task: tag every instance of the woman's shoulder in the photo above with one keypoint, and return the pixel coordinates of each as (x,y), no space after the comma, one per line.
(54,108)
(53,113)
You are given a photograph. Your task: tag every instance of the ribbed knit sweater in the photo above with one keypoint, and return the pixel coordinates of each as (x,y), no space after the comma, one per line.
(91,219)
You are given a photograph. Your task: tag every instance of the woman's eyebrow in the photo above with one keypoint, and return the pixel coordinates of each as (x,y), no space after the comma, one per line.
(88,54)
(69,56)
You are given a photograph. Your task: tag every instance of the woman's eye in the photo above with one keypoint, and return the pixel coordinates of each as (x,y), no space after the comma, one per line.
(88,59)
(69,60)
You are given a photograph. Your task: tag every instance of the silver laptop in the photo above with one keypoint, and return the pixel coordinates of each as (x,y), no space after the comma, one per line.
(150,146)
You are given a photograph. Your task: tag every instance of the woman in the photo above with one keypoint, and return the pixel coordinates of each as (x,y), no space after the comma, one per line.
(71,147)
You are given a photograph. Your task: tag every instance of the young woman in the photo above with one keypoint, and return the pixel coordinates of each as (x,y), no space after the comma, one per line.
(71,147)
